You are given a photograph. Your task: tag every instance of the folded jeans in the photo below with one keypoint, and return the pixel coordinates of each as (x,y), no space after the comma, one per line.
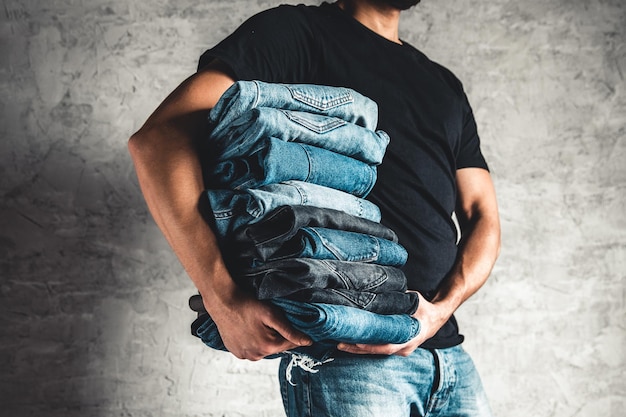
(340,102)
(264,240)
(326,324)
(233,209)
(277,161)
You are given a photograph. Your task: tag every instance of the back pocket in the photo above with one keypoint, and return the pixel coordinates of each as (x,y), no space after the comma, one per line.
(320,97)
(314,122)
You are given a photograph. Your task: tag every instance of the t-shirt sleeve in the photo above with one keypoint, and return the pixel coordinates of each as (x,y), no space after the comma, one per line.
(470,155)
(275,45)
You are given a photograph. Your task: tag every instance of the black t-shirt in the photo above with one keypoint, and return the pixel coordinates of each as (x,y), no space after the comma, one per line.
(422,107)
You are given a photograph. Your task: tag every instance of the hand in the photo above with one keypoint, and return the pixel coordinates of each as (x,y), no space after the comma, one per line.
(251,329)
(431,317)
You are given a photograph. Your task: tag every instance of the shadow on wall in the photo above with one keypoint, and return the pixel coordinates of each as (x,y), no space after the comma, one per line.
(82,268)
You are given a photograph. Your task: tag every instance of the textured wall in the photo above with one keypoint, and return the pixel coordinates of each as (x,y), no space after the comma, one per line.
(93,316)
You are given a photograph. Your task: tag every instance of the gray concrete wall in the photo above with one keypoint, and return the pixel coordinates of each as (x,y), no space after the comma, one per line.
(93,316)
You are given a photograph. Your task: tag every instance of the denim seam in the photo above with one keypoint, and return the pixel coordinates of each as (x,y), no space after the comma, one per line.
(310,162)
(372,180)
(341,257)
(346,282)
(303,195)
(343,98)
(332,123)
(377,283)
(361,209)
(349,285)
(257,95)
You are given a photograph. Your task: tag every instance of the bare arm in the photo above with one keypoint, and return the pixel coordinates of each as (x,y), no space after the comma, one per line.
(170,177)
(477,211)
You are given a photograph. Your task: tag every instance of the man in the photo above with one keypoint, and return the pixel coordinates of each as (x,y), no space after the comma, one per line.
(433,168)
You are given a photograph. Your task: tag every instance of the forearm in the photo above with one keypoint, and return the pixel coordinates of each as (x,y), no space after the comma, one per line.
(477,212)
(170,176)
(478,252)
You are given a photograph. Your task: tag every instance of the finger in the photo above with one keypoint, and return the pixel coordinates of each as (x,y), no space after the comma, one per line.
(362,349)
(286,331)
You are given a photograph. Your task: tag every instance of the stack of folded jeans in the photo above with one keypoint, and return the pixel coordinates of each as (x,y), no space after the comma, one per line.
(291,167)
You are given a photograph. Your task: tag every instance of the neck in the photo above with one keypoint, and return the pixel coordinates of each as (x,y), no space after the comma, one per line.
(378,17)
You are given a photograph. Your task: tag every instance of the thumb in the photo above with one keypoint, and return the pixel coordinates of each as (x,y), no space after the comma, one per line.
(286,330)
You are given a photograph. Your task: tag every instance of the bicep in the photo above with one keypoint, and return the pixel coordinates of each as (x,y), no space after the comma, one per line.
(476,196)
(186,108)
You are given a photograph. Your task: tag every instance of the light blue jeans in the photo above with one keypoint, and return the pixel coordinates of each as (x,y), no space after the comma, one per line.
(234,209)
(343,103)
(277,161)
(245,134)
(433,383)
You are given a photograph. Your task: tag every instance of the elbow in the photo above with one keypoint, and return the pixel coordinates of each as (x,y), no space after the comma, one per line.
(497,238)
(137,145)
(142,147)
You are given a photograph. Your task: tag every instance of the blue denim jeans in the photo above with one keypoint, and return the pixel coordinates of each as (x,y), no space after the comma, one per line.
(336,323)
(322,243)
(277,161)
(234,209)
(328,324)
(434,383)
(343,103)
(245,134)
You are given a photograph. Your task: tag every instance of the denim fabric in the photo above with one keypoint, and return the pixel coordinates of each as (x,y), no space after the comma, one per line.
(258,243)
(327,323)
(234,209)
(434,383)
(340,102)
(329,244)
(387,302)
(277,161)
(245,134)
(287,276)
(376,288)
(337,323)
(322,243)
